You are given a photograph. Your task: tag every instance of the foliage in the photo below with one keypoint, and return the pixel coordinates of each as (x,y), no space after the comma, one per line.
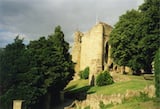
(104,78)
(103,106)
(14,64)
(124,41)
(51,63)
(87,107)
(157,73)
(134,83)
(149,29)
(33,72)
(85,73)
(136,37)
(137,102)
(143,97)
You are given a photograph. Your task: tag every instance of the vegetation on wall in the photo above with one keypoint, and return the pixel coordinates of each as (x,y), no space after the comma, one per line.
(85,73)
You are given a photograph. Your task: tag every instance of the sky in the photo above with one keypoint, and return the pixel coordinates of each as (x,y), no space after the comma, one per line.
(31,19)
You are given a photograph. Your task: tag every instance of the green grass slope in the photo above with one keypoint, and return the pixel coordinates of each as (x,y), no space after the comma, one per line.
(135,83)
(132,83)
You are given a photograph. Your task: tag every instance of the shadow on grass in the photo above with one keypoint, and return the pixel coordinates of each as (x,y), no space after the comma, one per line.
(71,94)
(70,88)
(91,92)
(78,94)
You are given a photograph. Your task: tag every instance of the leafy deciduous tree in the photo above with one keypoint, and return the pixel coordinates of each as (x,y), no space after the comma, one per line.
(149,28)
(136,37)
(124,40)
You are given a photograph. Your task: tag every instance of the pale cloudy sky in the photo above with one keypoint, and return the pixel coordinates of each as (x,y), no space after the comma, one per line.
(34,18)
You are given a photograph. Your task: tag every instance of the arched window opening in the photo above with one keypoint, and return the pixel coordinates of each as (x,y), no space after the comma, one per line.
(106,52)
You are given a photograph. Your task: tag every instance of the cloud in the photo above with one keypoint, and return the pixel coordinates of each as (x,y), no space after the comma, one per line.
(38,18)
(8,37)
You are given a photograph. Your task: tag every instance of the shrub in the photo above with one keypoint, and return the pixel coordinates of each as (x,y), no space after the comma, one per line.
(87,107)
(85,73)
(104,106)
(104,78)
(80,74)
(157,73)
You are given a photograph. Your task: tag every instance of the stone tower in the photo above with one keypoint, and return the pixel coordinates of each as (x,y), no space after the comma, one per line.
(76,52)
(91,50)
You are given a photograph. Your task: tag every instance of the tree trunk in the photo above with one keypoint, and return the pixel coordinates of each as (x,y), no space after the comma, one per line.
(148,69)
(47,101)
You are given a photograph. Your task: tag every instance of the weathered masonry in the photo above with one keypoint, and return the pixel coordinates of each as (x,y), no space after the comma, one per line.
(91,49)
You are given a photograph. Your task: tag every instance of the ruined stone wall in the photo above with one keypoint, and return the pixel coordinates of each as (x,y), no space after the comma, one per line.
(91,49)
(106,54)
(93,100)
(76,51)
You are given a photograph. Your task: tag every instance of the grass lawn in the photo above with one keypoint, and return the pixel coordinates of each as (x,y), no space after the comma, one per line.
(137,104)
(135,83)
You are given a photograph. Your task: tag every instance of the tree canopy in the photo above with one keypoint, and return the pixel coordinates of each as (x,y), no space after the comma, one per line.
(124,40)
(136,37)
(149,28)
(31,72)
(14,64)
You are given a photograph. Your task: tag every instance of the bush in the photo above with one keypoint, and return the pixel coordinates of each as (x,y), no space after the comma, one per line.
(87,107)
(157,73)
(85,73)
(104,78)
(104,106)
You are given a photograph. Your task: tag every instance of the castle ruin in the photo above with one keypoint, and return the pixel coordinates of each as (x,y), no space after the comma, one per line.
(91,49)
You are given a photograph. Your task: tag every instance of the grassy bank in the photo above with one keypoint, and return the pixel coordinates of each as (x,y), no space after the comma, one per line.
(137,103)
(135,83)
(129,82)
